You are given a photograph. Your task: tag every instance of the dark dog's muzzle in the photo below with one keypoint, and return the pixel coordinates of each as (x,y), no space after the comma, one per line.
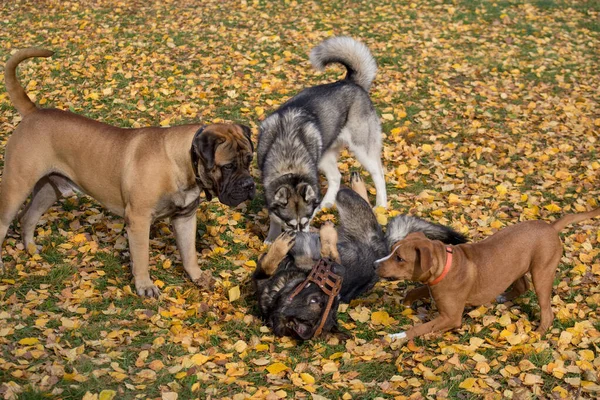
(328,281)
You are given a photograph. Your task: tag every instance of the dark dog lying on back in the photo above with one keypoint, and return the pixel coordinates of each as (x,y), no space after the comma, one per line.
(353,249)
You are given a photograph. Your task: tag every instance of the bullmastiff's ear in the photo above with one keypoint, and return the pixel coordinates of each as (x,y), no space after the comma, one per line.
(307,192)
(282,196)
(204,145)
(248,134)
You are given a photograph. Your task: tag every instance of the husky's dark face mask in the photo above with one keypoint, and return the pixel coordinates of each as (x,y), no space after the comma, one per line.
(294,205)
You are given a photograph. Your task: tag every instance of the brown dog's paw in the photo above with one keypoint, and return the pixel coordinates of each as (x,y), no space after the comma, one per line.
(329,239)
(205,281)
(397,340)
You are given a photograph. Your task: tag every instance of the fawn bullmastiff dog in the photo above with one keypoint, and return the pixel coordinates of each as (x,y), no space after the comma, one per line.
(139,174)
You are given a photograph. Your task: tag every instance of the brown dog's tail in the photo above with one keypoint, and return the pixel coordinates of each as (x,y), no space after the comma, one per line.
(569,219)
(17,94)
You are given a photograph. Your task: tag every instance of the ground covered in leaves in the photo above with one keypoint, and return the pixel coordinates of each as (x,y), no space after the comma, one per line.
(490,114)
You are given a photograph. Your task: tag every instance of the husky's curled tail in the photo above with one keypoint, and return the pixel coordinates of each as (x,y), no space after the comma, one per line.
(352,54)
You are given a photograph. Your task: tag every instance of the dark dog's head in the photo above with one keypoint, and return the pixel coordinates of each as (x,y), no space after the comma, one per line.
(416,258)
(300,317)
(225,152)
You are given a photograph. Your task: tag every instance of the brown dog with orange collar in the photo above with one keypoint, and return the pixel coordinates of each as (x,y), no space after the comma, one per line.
(477,273)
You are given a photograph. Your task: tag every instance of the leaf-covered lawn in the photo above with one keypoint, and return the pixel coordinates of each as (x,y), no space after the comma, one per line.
(491,116)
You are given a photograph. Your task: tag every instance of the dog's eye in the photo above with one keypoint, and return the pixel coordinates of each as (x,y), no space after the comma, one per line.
(227,167)
(399,259)
(313,301)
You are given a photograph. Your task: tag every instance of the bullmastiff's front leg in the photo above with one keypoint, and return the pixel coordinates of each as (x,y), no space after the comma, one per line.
(185,236)
(138,231)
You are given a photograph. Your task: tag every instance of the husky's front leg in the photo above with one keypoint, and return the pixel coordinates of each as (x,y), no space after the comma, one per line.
(328,165)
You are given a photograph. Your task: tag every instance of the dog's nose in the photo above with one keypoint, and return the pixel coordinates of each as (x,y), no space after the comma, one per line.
(249,187)
(248,184)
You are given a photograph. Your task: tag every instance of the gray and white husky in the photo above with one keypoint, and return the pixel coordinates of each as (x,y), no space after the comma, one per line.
(308,131)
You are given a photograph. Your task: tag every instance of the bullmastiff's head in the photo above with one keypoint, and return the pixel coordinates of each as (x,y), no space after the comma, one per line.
(224,152)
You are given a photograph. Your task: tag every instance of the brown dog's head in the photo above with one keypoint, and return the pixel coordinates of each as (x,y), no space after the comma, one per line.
(225,152)
(415,258)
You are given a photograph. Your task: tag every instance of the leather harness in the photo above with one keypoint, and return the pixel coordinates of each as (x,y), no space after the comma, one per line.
(328,281)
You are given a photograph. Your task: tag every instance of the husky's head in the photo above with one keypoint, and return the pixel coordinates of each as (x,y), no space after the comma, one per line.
(293,205)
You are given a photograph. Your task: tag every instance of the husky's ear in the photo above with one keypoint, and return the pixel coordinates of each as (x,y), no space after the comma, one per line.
(307,192)
(282,196)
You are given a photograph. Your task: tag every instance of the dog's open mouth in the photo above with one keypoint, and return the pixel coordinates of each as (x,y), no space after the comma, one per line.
(303,329)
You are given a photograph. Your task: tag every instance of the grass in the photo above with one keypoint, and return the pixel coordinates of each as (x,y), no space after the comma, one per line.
(471,68)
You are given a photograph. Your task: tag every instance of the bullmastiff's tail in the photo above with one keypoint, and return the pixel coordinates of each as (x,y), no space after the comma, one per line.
(16,93)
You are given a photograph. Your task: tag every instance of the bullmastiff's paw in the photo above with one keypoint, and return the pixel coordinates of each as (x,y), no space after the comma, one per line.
(329,239)
(205,280)
(147,289)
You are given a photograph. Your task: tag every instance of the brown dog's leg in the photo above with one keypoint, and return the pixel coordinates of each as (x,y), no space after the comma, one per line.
(450,317)
(358,185)
(138,232)
(519,287)
(185,237)
(542,276)
(269,261)
(329,239)
(450,307)
(415,294)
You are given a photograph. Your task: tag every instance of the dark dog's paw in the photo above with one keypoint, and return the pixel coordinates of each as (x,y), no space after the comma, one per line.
(355,177)
(285,241)
(329,239)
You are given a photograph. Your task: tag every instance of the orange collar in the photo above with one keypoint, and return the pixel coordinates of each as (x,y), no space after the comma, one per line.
(446,267)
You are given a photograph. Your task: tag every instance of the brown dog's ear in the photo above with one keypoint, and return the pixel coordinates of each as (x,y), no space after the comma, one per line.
(204,146)
(248,134)
(426,260)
